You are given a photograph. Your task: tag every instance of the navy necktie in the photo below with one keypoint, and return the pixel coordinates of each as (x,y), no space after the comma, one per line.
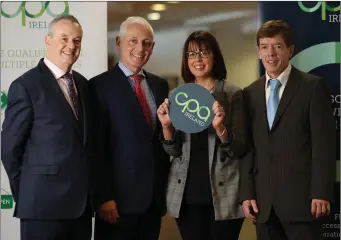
(72,92)
(273,100)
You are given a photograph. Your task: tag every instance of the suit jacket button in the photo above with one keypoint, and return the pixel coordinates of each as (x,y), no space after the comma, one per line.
(221,183)
(179,180)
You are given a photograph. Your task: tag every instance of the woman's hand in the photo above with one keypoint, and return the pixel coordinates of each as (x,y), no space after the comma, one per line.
(219,116)
(163,114)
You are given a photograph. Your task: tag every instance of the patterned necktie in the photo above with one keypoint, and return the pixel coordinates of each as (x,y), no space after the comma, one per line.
(273,100)
(72,92)
(142,99)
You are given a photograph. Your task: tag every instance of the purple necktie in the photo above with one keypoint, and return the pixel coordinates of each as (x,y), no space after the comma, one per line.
(72,92)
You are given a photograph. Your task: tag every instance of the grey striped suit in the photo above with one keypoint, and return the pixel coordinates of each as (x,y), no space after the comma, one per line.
(223,163)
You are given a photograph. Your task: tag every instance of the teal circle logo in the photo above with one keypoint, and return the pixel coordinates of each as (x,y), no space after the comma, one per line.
(45,6)
(191,108)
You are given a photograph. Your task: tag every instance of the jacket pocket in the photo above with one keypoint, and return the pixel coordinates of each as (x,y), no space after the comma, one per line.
(44,170)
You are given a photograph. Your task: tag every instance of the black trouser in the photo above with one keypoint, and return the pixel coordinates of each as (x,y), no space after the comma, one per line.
(131,226)
(198,222)
(60,229)
(277,229)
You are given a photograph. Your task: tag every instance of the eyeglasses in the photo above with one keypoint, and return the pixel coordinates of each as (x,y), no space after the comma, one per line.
(202,54)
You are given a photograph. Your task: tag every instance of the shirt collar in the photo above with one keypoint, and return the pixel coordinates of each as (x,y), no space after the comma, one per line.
(56,71)
(282,78)
(128,72)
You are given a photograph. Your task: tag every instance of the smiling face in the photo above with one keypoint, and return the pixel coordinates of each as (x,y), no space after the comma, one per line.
(135,46)
(200,60)
(275,54)
(64,44)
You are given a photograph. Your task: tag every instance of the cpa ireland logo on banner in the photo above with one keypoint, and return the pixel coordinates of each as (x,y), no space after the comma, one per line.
(329,11)
(30,12)
(6,199)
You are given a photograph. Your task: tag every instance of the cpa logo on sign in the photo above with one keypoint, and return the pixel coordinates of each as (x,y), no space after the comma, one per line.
(24,13)
(190,108)
(324,8)
(197,109)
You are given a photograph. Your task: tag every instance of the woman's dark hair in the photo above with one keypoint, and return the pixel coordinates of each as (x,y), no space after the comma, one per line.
(203,38)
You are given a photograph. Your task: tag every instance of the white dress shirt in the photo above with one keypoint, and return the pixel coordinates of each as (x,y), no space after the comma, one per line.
(282,78)
(58,74)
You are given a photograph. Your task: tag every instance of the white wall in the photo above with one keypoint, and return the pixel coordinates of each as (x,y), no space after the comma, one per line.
(240,55)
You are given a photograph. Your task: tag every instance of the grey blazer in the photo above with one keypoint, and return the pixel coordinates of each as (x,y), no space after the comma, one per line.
(223,159)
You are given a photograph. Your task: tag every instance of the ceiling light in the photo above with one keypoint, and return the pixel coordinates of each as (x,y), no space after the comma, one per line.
(172,2)
(153,16)
(158,7)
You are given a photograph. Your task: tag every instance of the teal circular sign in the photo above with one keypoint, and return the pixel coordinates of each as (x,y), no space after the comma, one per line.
(191,108)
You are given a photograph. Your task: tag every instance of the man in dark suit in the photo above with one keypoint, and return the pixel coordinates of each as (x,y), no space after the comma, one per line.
(288,176)
(44,145)
(131,165)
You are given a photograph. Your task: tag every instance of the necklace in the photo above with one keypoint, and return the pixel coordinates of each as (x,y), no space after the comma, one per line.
(212,89)
(207,89)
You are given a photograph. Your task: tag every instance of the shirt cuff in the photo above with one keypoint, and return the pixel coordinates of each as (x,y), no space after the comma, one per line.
(225,145)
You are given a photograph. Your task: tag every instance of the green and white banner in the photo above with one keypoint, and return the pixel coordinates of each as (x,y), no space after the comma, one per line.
(23,29)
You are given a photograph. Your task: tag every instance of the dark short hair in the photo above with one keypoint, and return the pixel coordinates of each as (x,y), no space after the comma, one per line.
(208,40)
(274,27)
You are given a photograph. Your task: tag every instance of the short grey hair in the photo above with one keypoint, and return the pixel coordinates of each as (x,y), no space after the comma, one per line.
(68,17)
(134,20)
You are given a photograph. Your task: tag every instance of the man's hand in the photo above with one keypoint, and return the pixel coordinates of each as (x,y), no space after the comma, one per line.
(108,211)
(249,208)
(320,208)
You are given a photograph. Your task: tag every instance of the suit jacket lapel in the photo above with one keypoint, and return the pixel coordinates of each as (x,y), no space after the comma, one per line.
(121,81)
(82,95)
(262,105)
(52,83)
(218,92)
(218,95)
(157,97)
(154,89)
(289,91)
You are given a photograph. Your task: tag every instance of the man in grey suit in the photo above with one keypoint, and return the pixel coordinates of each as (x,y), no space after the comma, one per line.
(288,176)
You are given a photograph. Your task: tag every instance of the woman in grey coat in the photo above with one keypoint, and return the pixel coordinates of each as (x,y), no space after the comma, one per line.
(203,185)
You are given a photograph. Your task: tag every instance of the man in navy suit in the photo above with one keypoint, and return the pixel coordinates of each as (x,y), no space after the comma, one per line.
(131,167)
(45,143)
